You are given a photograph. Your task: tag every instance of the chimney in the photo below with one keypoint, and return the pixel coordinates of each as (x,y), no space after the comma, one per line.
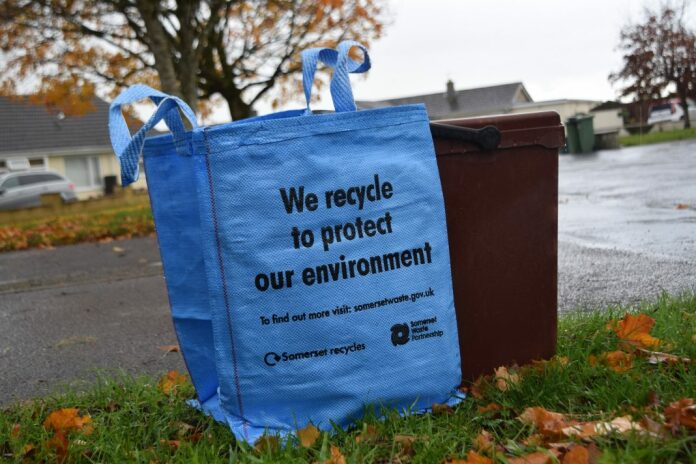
(452,95)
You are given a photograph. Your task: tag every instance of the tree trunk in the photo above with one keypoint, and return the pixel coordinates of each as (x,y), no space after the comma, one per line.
(159,46)
(684,102)
(238,108)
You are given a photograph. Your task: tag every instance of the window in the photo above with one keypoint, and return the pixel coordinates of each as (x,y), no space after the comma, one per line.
(11,182)
(37,163)
(83,171)
(30,179)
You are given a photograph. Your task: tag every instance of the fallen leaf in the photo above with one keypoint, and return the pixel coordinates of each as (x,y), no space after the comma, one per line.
(653,399)
(635,330)
(653,427)
(490,407)
(367,434)
(28,450)
(618,361)
(620,425)
(171,443)
(171,381)
(118,249)
(59,443)
(576,455)
(67,419)
(14,432)
(483,442)
(336,456)
(538,457)
(406,442)
(170,348)
(682,206)
(442,409)
(308,435)
(472,457)
(681,413)
(504,379)
(267,443)
(550,424)
(657,357)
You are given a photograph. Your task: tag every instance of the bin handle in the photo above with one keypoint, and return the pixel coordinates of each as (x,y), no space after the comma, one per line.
(487,138)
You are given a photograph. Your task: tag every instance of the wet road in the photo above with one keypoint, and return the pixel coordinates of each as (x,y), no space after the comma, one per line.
(67,313)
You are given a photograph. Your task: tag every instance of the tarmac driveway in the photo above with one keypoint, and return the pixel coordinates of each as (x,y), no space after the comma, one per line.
(68,313)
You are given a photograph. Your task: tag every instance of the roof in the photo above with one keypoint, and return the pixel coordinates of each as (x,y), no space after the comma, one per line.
(608,105)
(29,127)
(481,100)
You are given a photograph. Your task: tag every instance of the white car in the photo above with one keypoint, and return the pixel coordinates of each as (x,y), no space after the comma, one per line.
(23,189)
(671,111)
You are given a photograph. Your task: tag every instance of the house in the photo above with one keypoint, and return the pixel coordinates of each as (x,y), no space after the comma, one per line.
(496,99)
(78,147)
(504,99)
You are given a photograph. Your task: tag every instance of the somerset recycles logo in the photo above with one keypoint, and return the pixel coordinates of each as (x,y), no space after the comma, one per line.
(400,334)
(271,359)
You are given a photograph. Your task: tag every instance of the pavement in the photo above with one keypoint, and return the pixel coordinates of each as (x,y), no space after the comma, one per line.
(70,314)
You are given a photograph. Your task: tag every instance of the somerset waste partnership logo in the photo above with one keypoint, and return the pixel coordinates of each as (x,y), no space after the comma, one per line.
(400,334)
(421,329)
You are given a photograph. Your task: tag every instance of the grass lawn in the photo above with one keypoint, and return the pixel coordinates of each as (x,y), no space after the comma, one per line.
(124,222)
(133,420)
(657,137)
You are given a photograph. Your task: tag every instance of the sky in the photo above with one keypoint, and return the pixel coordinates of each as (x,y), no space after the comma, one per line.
(557,48)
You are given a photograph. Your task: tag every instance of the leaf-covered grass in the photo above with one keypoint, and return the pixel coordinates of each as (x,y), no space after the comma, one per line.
(67,230)
(656,136)
(133,420)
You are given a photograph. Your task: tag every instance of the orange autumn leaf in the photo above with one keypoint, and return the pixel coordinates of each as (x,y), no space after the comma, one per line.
(490,407)
(483,441)
(550,424)
(59,443)
(369,433)
(14,432)
(472,457)
(635,329)
(170,381)
(576,455)
(504,379)
(67,419)
(682,206)
(681,413)
(406,442)
(336,456)
(174,444)
(308,435)
(618,361)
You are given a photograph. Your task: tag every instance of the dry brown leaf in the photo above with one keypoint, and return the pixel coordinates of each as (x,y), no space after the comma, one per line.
(682,206)
(367,434)
(118,249)
(171,443)
(406,442)
(267,443)
(681,413)
(14,432)
(538,457)
(67,419)
(170,348)
(576,455)
(653,427)
(484,442)
(620,425)
(308,435)
(28,450)
(657,357)
(635,330)
(171,381)
(550,424)
(504,379)
(336,456)
(442,409)
(472,457)
(618,361)
(490,407)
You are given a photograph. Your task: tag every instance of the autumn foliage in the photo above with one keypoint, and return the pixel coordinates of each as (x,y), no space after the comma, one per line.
(203,51)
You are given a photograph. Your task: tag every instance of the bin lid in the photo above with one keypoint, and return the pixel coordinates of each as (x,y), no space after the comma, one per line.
(516,130)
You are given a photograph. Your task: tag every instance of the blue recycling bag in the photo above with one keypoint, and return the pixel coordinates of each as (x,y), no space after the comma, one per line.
(325,283)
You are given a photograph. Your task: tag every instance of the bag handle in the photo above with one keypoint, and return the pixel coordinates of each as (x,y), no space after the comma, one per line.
(341,92)
(128,148)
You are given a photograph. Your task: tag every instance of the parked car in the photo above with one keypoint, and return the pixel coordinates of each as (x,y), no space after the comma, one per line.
(671,111)
(23,189)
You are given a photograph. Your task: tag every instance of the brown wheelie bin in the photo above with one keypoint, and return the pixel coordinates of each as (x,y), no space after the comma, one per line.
(501,200)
